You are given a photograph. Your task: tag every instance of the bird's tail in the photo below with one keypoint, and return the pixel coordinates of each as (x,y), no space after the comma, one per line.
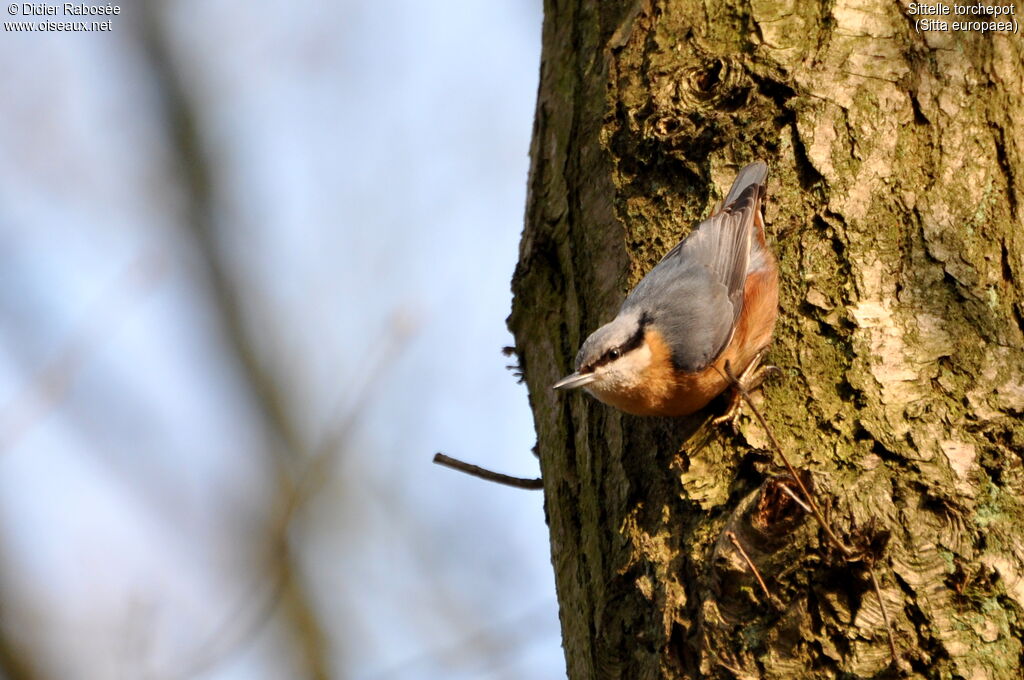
(749,186)
(755,173)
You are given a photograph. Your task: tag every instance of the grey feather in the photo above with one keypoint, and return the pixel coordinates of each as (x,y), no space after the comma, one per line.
(695,294)
(755,173)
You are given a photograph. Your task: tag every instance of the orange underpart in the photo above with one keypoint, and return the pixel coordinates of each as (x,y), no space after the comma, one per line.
(663,391)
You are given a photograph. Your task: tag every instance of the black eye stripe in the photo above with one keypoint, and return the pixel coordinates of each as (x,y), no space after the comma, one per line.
(635,341)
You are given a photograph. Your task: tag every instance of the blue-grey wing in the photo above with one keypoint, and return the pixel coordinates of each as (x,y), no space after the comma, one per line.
(695,294)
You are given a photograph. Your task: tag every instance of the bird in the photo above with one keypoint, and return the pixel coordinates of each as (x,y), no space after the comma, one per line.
(704,314)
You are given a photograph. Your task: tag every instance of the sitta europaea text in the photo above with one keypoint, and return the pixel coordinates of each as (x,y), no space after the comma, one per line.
(705,311)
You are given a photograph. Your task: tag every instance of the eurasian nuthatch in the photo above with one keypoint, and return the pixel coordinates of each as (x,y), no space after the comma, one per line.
(709,304)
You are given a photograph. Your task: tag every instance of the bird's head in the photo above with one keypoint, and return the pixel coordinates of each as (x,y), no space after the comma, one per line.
(613,359)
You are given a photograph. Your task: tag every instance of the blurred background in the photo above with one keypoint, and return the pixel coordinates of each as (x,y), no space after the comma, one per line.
(255,264)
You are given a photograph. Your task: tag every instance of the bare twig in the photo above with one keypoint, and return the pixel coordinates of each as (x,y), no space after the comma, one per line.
(796,499)
(731,535)
(808,497)
(847,552)
(489,475)
(885,614)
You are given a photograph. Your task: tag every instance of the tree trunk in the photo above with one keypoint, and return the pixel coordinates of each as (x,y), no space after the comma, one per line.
(893,208)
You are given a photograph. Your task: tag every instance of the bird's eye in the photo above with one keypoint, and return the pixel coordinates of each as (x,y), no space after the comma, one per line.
(614,354)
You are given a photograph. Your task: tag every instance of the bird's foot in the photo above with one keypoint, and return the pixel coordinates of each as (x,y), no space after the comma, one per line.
(748,381)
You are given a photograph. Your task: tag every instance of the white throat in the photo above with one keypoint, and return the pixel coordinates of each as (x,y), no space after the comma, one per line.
(624,374)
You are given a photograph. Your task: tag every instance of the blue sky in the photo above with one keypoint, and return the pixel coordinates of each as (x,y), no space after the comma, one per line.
(370,165)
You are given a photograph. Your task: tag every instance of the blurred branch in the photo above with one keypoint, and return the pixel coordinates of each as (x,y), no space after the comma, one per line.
(512,633)
(243,622)
(13,664)
(451,608)
(257,607)
(281,431)
(51,384)
(48,388)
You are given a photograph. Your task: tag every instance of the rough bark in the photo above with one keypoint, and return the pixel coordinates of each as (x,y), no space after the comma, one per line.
(895,213)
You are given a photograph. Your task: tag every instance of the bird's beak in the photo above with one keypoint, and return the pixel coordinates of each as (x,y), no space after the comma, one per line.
(574,380)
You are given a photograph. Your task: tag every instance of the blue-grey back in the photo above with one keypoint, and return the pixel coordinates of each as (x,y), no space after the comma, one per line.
(695,294)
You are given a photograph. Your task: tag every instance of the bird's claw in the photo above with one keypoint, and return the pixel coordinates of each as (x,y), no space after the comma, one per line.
(748,381)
